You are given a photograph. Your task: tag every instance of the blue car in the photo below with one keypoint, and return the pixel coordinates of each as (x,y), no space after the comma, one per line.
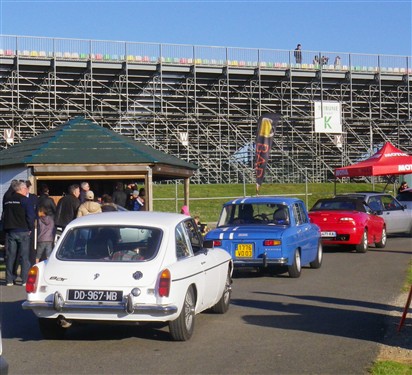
(268,231)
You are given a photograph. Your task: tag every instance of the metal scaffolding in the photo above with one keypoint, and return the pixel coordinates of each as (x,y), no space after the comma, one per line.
(202,103)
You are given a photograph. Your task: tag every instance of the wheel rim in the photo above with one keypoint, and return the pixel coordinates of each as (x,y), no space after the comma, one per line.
(226,295)
(383,240)
(189,311)
(297,260)
(365,240)
(319,253)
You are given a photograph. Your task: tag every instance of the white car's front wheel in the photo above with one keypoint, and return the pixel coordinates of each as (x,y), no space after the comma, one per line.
(182,328)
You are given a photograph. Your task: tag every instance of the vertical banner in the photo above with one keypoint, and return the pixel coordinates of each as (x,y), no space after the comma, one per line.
(328,117)
(266,129)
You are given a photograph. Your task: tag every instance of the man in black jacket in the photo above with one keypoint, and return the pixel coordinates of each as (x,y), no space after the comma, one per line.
(19,216)
(45,202)
(67,207)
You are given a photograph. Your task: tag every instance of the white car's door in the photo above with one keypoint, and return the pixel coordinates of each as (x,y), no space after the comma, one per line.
(208,263)
(396,217)
(190,266)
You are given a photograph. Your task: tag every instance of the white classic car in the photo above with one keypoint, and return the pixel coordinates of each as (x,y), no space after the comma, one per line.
(129,267)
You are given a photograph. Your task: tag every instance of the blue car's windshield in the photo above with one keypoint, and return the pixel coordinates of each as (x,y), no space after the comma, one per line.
(247,214)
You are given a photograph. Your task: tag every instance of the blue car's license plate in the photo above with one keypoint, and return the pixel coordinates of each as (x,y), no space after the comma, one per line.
(244,250)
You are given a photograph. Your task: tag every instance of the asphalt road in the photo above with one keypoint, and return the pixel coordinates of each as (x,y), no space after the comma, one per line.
(329,321)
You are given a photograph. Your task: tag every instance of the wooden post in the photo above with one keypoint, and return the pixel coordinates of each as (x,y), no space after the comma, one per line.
(405,310)
(186,197)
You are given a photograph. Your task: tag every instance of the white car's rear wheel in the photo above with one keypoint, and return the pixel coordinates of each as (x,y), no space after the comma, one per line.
(182,328)
(223,305)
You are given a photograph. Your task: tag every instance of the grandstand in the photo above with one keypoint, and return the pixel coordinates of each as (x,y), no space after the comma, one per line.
(202,103)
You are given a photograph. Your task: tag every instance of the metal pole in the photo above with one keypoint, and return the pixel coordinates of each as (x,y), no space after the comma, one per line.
(244,183)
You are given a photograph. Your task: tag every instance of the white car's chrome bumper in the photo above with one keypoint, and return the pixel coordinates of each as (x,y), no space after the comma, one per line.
(60,305)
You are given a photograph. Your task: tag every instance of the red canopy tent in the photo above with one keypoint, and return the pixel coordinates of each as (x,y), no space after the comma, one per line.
(389,160)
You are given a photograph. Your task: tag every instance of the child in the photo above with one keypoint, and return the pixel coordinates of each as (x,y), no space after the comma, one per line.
(138,202)
(45,235)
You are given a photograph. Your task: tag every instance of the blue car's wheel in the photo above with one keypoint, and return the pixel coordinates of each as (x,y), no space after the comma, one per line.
(319,256)
(296,268)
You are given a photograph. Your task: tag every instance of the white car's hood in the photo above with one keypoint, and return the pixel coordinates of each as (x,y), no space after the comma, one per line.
(100,274)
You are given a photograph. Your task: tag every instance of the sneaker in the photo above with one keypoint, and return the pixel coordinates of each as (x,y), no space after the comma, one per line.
(24,284)
(9,284)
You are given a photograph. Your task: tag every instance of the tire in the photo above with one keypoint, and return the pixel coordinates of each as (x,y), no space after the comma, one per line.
(362,247)
(181,329)
(382,243)
(296,268)
(223,305)
(317,263)
(51,330)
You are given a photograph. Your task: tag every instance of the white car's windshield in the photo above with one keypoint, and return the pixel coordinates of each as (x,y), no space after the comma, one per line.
(245,214)
(110,243)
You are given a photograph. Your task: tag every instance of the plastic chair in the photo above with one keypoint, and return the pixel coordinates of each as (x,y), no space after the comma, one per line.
(281,216)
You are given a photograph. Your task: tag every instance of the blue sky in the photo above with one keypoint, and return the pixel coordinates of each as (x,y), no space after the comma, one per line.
(367,27)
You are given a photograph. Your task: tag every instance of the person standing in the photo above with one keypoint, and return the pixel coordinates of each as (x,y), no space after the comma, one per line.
(298,54)
(185,210)
(45,202)
(119,196)
(137,202)
(89,206)
(403,186)
(142,196)
(337,61)
(33,199)
(67,207)
(19,216)
(84,188)
(107,204)
(45,234)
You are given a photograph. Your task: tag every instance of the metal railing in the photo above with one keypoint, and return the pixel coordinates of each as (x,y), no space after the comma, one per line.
(139,52)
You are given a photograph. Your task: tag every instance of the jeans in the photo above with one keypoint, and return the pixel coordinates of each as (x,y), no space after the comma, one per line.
(44,250)
(18,243)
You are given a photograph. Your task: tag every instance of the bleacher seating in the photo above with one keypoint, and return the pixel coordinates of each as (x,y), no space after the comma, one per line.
(201,61)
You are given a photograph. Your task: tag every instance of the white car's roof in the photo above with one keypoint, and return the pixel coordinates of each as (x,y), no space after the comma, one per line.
(146,218)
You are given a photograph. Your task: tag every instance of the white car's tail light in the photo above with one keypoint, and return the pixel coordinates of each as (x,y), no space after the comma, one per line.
(31,283)
(164,283)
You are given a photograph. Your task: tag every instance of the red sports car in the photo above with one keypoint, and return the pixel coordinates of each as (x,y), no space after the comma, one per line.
(348,221)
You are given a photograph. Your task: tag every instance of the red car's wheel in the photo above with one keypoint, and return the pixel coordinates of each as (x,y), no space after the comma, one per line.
(362,247)
(382,243)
